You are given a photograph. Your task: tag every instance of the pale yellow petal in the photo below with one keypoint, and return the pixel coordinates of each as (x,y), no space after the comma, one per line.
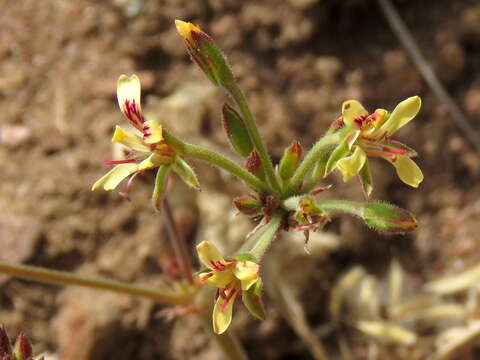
(128,139)
(402,115)
(110,180)
(408,171)
(220,279)
(222,314)
(247,273)
(128,88)
(153,161)
(352,109)
(152,132)
(207,252)
(351,165)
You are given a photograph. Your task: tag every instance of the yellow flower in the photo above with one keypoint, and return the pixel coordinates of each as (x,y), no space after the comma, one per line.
(233,278)
(147,150)
(370,137)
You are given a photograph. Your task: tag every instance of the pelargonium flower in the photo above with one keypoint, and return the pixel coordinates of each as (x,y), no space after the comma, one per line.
(147,150)
(370,137)
(234,278)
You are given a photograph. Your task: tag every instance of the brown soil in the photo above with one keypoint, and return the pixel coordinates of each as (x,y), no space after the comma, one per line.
(297,60)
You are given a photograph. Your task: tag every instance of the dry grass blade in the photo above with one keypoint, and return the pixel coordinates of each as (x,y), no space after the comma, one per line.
(456,341)
(387,332)
(456,283)
(346,282)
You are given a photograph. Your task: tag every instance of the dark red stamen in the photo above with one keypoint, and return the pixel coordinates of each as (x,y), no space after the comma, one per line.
(129,185)
(394,151)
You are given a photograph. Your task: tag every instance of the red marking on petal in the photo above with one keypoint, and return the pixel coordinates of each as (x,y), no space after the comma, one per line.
(116,162)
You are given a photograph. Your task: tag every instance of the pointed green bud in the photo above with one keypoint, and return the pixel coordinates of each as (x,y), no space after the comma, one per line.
(206,54)
(23,348)
(254,165)
(290,160)
(381,216)
(160,184)
(248,205)
(252,299)
(388,218)
(5,347)
(236,131)
(186,173)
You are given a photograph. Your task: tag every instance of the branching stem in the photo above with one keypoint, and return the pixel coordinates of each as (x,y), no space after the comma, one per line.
(214,158)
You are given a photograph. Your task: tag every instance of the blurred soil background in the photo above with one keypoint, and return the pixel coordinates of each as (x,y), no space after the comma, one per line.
(297,60)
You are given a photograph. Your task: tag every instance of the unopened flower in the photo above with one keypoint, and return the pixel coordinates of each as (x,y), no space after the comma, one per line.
(371,137)
(233,278)
(147,150)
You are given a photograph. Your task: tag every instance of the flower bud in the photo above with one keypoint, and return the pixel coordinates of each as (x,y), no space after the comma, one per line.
(205,53)
(23,348)
(290,160)
(388,218)
(248,205)
(236,131)
(254,165)
(5,347)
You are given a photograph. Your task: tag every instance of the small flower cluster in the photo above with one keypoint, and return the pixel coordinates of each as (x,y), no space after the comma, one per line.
(285,196)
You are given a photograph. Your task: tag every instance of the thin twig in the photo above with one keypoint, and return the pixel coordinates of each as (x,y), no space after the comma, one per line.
(410,45)
(66,278)
(178,242)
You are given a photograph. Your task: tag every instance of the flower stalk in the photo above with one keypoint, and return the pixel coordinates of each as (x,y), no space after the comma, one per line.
(65,278)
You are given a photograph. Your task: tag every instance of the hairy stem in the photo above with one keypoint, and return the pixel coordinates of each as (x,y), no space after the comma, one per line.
(239,97)
(310,160)
(178,242)
(267,236)
(66,278)
(214,158)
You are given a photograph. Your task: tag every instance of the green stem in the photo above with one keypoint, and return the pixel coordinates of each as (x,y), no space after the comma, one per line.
(267,236)
(345,206)
(65,278)
(312,157)
(178,242)
(200,153)
(239,97)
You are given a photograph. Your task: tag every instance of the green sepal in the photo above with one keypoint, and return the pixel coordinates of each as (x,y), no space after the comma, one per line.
(185,172)
(23,348)
(253,301)
(339,153)
(236,131)
(212,60)
(290,160)
(366,179)
(160,183)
